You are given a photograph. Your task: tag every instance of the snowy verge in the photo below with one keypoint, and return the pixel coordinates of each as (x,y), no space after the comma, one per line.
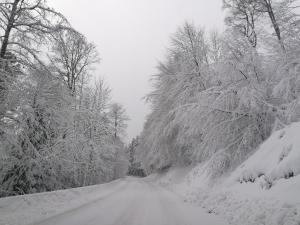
(28,209)
(265,189)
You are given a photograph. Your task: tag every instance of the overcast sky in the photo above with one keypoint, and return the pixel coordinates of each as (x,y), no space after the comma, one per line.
(131,37)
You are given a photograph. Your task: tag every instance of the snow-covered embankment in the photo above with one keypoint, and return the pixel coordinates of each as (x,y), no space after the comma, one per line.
(265,189)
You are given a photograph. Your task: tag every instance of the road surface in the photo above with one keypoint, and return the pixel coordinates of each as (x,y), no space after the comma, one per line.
(133,201)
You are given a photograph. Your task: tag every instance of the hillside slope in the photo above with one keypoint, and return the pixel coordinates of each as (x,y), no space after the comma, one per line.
(265,189)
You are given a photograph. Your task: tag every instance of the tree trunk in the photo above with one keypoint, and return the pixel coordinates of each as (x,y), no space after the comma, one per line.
(10,25)
(116,128)
(274,22)
(3,63)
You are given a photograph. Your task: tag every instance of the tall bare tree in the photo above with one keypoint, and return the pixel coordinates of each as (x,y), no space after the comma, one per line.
(73,57)
(267,7)
(243,15)
(190,42)
(24,23)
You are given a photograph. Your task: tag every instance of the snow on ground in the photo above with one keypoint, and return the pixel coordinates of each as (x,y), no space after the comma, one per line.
(265,189)
(277,158)
(26,209)
(129,201)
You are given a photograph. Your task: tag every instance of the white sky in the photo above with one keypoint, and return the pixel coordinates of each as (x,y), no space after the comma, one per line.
(131,37)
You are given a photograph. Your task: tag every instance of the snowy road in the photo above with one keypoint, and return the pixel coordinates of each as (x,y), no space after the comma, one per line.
(133,201)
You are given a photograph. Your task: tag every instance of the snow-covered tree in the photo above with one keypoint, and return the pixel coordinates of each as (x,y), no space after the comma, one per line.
(135,167)
(218,98)
(24,26)
(118,117)
(55,126)
(72,57)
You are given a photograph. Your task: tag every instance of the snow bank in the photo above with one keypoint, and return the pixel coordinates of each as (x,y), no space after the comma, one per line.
(277,158)
(28,209)
(265,189)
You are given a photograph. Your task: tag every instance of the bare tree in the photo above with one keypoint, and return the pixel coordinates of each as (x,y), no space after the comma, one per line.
(242,16)
(97,100)
(268,8)
(118,118)
(25,22)
(73,57)
(215,46)
(245,13)
(190,43)
(24,25)
(101,96)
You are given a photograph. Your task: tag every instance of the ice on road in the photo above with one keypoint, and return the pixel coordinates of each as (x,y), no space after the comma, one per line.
(135,202)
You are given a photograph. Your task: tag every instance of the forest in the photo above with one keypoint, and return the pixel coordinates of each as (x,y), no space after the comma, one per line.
(216,97)
(59,127)
(220,144)
(219,95)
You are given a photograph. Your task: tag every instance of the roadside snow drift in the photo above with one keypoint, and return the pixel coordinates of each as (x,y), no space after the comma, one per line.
(27,209)
(277,158)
